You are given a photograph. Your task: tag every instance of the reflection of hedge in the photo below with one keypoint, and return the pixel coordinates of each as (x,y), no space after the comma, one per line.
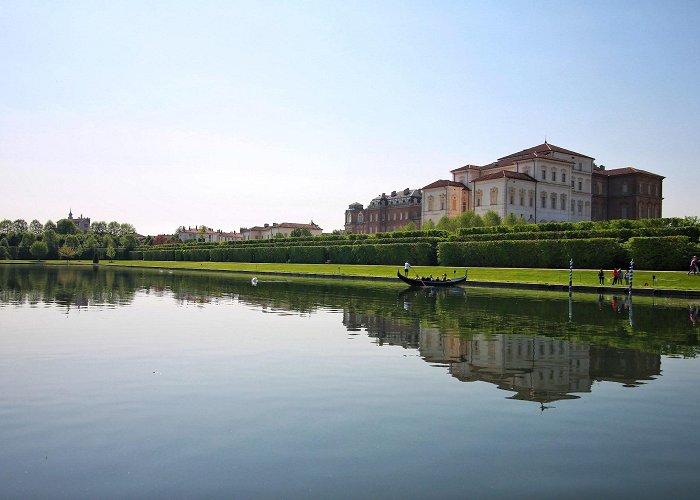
(587,253)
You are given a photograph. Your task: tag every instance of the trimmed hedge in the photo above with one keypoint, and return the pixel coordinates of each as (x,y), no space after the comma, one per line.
(587,253)
(669,253)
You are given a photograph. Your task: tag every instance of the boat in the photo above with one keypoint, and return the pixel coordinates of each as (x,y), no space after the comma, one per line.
(431,283)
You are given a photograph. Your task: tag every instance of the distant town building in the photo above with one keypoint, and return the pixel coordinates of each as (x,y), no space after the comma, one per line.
(626,193)
(385,213)
(82,223)
(208,235)
(283,230)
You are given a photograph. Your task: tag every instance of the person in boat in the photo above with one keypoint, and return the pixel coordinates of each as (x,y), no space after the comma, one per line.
(406,267)
(444,276)
(430,278)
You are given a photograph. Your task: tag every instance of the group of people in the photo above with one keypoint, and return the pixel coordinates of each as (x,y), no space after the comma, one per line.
(430,278)
(618,276)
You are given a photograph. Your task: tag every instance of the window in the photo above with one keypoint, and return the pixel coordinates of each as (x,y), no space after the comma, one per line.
(624,188)
(531,197)
(511,196)
(554,175)
(580,207)
(580,185)
(442,202)
(563,202)
(522,197)
(563,176)
(478,197)
(553,201)
(624,212)
(544,200)
(493,195)
(580,166)
(573,206)
(431,201)
(454,203)
(544,173)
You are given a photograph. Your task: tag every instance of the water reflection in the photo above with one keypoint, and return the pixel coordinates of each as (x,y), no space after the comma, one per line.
(540,346)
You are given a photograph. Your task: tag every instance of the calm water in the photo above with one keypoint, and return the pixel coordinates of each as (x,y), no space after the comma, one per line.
(118,384)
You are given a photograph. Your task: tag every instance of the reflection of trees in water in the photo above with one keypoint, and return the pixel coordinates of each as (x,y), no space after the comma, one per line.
(70,286)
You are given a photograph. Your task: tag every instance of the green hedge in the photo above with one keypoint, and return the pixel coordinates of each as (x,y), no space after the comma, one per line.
(587,253)
(669,253)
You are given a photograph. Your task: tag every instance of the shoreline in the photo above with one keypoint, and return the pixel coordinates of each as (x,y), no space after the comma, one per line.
(555,287)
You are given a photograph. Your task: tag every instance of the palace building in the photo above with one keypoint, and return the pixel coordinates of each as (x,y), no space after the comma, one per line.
(544,183)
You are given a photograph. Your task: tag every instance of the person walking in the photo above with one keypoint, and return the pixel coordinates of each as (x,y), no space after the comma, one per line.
(601,277)
(406,267)
(614,276)
(694,265)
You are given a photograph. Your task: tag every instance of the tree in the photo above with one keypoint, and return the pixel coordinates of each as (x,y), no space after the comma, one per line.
(298,232)
(67,252)
(71,247)
(411,226)
(49,226)
(28,240)
(111,252)
(66,226)
(99,227)
(469,219)
(90,241)
(446,224)
(126,229)
(39,250)
(4,249)
(510,220)
(491,218)
(113,228)
(201,232)
(36,227)
(49,237)
(129,242)
(20,226)
(429,224)
(6,226)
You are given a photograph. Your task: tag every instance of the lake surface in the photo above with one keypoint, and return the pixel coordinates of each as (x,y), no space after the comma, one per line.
(145,383)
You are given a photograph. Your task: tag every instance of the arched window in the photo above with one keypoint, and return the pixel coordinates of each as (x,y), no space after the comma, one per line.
(442,201)
(563,202)
(479,195)
(553,201)
(454,202)
(543,200)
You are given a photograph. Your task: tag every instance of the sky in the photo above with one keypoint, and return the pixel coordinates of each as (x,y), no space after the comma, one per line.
(234,114)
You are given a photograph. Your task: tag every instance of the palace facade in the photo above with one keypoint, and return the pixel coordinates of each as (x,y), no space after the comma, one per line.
(544,183)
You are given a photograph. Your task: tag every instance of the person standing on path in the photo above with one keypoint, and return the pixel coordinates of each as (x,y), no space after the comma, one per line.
(693,265)
(406,267)
(601,277)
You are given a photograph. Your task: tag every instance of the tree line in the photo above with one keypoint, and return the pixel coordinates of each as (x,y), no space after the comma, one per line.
(63,239)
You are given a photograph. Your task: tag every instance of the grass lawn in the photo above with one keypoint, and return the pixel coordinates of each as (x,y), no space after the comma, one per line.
(664,279)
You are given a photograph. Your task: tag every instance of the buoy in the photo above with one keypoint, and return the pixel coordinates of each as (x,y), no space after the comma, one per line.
(254,281)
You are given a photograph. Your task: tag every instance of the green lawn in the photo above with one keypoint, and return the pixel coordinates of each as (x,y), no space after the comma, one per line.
(664,279)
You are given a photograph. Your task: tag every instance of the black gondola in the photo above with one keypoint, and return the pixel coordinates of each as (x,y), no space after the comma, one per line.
(425,282)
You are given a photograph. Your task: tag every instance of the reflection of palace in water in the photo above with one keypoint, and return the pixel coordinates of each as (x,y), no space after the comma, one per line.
(535,368)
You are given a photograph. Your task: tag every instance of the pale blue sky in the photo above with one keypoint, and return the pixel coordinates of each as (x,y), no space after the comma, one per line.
(234,114)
